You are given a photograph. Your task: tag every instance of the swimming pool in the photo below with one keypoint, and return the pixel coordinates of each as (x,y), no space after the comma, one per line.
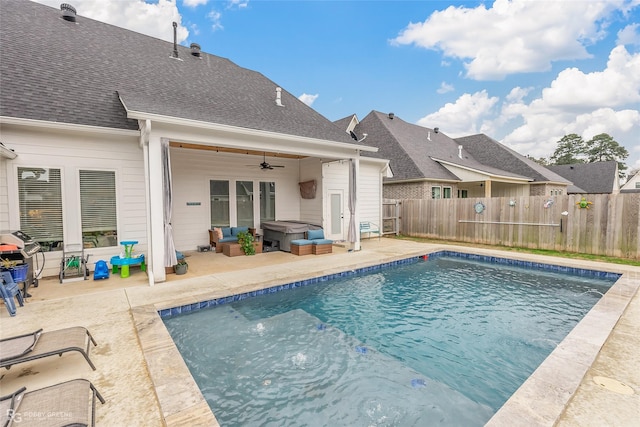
(463,347)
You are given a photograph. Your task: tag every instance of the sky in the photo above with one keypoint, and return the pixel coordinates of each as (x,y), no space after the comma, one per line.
(524,72)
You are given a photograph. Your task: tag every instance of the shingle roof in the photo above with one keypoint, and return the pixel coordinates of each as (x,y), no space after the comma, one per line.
(60,71)
(490,152)
(593,178)
(413,150)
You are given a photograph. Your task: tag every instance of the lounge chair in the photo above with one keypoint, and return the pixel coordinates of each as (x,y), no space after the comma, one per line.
(63,404)
(38,344)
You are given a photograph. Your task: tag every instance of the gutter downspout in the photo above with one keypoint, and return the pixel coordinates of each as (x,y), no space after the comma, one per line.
(357,247)
(144,144)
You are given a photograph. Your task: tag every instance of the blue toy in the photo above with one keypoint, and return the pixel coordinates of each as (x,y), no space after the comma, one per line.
(101,271)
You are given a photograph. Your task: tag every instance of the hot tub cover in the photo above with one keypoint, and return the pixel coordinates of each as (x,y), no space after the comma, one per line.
(291,226)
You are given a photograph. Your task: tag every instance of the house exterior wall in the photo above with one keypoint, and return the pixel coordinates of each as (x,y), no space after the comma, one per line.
(633,183)
(370,193)
(70,151)
(502,189)
(407,190)
(369,201)
(4,196)
(310,209)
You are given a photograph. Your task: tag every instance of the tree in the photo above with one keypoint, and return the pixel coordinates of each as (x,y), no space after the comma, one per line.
(603,147)
(569,150)
(541,161)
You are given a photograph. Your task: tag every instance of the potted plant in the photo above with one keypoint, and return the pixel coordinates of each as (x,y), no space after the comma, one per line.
(245,239)
(181,267)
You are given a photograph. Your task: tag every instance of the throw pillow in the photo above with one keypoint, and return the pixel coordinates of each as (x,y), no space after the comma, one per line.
(218,232)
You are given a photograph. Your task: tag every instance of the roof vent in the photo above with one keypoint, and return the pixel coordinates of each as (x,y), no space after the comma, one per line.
(175,43)
(428,135)
(279,97)
(68,12)
(436,130)
(391,115)
(195,49)
(459,150)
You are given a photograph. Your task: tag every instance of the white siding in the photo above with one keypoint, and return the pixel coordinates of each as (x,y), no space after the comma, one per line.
(4,201)
(311,209)
(71,152)
(370,193)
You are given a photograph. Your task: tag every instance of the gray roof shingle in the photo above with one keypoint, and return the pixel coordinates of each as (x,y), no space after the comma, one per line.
(490,152)
(592,178)
(413,150)
(60,71)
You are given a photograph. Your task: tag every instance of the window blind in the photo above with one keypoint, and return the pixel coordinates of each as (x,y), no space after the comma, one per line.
(40,200)
(98,208)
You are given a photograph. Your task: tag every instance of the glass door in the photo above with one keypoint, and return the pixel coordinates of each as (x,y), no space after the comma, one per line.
(244,203)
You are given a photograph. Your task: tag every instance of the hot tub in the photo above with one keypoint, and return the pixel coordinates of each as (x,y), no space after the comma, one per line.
(286,231)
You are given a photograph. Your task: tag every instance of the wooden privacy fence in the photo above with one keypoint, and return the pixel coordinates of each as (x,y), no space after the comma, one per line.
(609,226)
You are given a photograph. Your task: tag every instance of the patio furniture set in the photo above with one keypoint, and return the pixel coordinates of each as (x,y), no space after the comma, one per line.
(71,402)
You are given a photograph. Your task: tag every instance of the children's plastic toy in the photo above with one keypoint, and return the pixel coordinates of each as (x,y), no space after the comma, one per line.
(101,271)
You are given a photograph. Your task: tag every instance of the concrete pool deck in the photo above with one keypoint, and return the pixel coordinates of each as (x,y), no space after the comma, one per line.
(145,382)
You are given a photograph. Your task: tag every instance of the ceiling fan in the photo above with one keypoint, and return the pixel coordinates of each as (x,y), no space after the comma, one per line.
(264,165)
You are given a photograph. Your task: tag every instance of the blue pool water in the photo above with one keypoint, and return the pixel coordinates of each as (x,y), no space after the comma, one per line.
(444,341)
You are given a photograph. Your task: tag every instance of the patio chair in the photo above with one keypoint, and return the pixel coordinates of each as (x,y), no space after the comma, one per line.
(38,344)
(367,227)
(71,403)
(8,291)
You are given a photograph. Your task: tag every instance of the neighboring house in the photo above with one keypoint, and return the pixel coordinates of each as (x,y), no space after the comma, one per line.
(425,163)
(632,185)
(590,178)
(93,118)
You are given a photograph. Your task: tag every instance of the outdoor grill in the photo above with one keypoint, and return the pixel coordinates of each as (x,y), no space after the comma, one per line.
(18,247)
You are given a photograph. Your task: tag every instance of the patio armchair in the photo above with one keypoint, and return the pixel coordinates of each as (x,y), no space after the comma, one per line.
(38,344)
(367,227)
(62,404)
(219,235)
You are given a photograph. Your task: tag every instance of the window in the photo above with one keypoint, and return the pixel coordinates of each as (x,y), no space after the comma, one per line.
(40,200)
(462,194)
(267,201)
(244,203)
(219,195)
(435,192)
(638,184)
(446,192)
(98,208)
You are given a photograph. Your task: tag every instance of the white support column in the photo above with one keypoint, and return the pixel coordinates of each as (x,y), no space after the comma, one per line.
(145,131)
(156,209)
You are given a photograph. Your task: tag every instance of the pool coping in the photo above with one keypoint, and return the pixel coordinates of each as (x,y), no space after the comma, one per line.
(540,400)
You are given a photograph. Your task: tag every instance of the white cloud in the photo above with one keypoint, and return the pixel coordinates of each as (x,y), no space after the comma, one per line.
(194,3)
(583,103)
(464,117)
(237,4)
(629,35)
(445,87)
(308,99)
(512,36)
(215,17)
(154,20)
(618,84)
